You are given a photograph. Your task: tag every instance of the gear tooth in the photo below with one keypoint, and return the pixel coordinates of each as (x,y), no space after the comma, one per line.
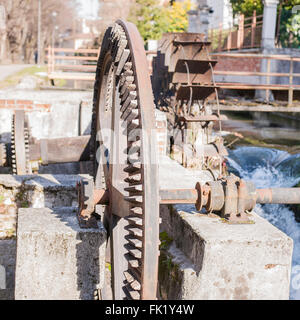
(26,143)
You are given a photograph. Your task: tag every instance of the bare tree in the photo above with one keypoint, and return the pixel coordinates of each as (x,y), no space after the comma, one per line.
(21,24)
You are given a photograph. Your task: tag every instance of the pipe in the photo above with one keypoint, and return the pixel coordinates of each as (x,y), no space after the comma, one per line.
(278,196)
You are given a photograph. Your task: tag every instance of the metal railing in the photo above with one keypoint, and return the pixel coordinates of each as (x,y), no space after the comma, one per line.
(245,35)
(265,76)
(72,64)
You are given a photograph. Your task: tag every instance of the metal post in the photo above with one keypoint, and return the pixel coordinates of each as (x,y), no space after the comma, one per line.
(291,93)
(39,31)
(253,29)
(220,36)
(241,32)
(268,79)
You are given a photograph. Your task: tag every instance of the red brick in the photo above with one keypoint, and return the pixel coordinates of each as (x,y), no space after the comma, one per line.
(10,101)
(24,102)
(2,106)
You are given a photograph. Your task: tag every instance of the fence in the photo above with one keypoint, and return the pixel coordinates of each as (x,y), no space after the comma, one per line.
(247,34)
(71,64)
(290,87)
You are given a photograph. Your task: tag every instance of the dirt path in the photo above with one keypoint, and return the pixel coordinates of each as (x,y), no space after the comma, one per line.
(7,70)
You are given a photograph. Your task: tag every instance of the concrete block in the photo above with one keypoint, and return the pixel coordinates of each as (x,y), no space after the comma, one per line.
(36,191)
(56,260)
(205,258)
(7,268)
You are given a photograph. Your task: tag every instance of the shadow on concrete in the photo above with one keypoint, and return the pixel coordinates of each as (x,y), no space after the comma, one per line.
(87,255)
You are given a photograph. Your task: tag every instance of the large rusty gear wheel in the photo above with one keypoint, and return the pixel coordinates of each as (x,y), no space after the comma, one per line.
(123,120)
(20,144)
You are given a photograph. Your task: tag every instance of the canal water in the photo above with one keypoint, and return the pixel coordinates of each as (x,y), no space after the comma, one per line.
(269,166)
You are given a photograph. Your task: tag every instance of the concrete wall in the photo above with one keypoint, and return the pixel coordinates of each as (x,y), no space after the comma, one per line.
(8,261)
(203,258)
(51,114)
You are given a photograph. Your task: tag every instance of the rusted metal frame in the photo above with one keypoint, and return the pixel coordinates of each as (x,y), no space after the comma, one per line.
(203,118)
(86,204)
(60,150)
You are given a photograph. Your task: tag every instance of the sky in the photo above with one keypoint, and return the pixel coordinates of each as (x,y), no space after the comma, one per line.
(88,8)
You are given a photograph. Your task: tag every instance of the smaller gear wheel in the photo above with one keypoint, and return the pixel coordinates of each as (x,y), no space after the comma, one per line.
(3,155)
(20,144)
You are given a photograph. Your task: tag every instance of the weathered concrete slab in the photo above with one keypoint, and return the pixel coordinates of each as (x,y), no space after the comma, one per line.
(55,258)
(204,258)
(172,175)
(7,268)
(35,191)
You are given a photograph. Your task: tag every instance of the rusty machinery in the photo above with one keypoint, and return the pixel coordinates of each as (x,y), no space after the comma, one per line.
(183,83)
(123,150)
(25,154)
(124,153)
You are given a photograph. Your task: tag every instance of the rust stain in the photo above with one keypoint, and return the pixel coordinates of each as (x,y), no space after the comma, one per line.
(270,266)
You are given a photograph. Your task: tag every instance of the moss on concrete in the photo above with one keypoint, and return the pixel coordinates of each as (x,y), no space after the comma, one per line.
(169,273)
(22,197)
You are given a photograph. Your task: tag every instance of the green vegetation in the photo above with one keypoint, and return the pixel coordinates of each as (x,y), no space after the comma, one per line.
(289,30)
(152,20)
(247,7)
(290,24)
(165,240)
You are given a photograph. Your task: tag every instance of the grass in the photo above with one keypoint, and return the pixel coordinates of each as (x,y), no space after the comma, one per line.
(14,79)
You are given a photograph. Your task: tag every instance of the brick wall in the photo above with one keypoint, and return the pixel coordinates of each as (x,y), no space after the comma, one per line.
(161,132)
(238,64)
(27,105)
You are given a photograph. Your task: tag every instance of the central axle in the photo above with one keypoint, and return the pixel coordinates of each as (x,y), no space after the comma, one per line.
(231,197)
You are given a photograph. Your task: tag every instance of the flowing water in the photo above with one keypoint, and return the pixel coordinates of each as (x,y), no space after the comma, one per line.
(273,168)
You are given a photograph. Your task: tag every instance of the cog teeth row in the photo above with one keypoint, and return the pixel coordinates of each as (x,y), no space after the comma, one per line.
(3,155)
(134,241)
(26,134)
(133,104)
(124,57)
(133,169)
(122,67)
(135,220)
(133,262)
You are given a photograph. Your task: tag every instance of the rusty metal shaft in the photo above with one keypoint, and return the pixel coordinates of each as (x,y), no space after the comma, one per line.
(262,196)
(191,196)
(278,195)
